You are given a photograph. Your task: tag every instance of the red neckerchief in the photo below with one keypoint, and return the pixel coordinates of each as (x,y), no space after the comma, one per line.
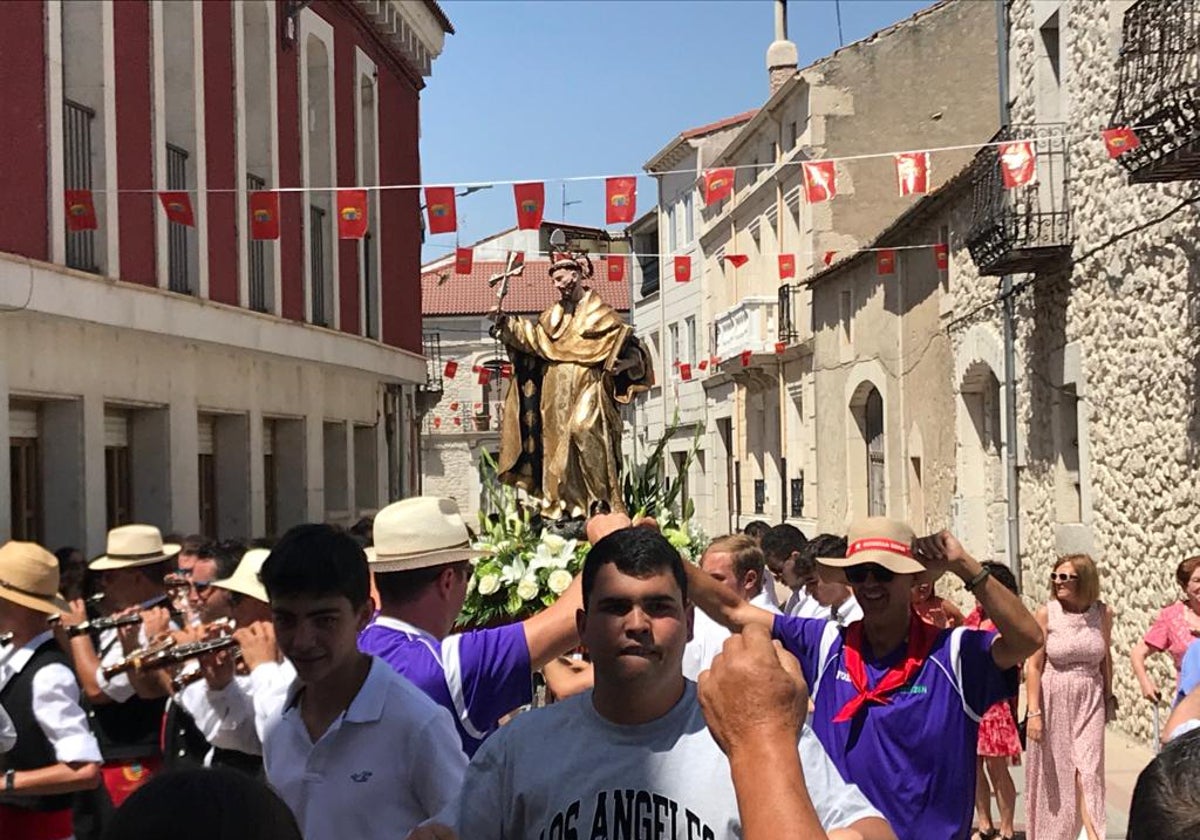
(921,637)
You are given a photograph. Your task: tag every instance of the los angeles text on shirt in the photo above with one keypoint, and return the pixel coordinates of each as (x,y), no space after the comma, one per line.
(627,815)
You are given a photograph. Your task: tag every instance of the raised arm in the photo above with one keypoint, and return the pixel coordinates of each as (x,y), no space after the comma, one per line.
(552,632)
(722,605)
(1020,634)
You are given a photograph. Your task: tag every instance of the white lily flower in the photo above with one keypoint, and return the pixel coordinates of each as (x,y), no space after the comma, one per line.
(513,572)
(543,558)
(553,542)
(558,581)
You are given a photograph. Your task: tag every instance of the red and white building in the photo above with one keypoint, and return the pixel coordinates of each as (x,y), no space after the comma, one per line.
(192,377)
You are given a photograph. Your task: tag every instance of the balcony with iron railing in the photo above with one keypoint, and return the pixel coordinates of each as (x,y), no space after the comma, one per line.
(750,325)
(77,175)
(791,313)
(178,256)
(1024,228)
(431,342)
(1158,90)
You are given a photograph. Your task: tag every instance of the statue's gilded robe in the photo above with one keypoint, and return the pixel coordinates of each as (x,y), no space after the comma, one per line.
(560,436)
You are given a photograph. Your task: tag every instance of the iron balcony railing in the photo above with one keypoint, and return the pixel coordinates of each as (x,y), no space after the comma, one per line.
(650,274)
(316,238)
(434,367)
(1158,90)
(791,327)
(370,287)
(178,270)
(77,175)
(1023,228)
(257,256)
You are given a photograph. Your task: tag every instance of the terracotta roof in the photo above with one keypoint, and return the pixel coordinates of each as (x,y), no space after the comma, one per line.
(719,124)
(469,294)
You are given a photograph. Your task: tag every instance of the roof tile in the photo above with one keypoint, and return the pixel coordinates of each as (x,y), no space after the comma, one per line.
(469,294)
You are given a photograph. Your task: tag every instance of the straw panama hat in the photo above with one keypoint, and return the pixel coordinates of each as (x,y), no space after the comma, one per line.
(244,579)
(133,545)
(29,577)
(418,533)
(879,540)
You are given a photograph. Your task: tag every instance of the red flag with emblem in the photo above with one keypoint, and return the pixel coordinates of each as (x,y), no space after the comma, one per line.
(885,261)
(506,371)
(780,347)
(464,260)
(457,421)
(81,211)
(746,354)
(738,260)
(485,375)
(714,361)
(352,214)
(941,256)
(616,268)
(718,185)
(531,201)
(685,372)
(620,200)
(179,207)
(828,258)
(683,269)
(787,266)
(912,173)
(264,214)
(437,422)
(820,180)
(1120,140)
(1018,164)
(703,364)
(439,204)
(451,369)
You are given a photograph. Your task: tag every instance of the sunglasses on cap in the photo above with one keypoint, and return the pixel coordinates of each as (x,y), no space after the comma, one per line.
(1062,577)
(858,574)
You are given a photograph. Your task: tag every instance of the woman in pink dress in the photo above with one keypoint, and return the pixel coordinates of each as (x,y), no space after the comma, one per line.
(999,744)
(1068,691)
(1176,627)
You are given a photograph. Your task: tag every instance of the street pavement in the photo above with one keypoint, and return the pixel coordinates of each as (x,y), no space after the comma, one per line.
(1124,760)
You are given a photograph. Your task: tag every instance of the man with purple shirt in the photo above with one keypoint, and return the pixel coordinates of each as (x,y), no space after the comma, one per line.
(421,565)
(897,702)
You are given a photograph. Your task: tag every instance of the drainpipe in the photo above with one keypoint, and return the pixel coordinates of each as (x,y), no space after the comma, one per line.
(1010,335)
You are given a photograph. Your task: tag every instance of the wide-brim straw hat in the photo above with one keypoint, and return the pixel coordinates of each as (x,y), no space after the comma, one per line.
(133,545)
(244,579)
(418,533)
(29,577)
(879,540)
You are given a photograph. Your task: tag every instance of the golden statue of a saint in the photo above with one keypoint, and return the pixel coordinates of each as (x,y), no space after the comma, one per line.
(560,433)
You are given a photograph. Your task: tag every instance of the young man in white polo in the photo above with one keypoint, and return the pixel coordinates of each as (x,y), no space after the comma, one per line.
(54,753)
(357,751)
(421,564)
(633,757)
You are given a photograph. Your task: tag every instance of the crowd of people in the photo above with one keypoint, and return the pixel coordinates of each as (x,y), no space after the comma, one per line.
(318,687)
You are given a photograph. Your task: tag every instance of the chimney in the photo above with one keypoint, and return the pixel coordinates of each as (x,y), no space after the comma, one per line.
(781,55)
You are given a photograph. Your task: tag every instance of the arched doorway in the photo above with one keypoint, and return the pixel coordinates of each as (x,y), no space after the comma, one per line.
(873,433)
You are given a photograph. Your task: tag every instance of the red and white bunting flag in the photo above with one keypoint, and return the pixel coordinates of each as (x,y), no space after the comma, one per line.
(620,200)
(464,260)
(885,261)
(941,256)
(683,269)
(787,266)
(820,180)
(685,372)
(616,268)
(1120,140)
(178,205)
(738,260)
(81,210)
(828,258)
(439,203)
(352,214)
(746,354)
(912,173)
(718,185)
(450,370)
(1018,164)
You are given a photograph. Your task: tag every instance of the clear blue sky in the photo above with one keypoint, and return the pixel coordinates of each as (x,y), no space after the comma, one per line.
(543,90)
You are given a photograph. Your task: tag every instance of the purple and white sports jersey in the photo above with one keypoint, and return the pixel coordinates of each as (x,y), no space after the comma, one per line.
(914,757)
(479,676)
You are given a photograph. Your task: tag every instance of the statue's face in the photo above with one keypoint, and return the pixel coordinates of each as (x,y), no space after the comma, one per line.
(566,283)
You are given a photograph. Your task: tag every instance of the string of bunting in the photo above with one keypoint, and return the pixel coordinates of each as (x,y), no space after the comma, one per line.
(1017,158)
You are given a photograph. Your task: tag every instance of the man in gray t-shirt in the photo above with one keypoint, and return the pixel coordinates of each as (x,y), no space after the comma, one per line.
(633,757)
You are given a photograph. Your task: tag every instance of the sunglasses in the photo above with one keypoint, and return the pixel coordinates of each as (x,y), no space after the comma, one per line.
(858,574)
(1062,577)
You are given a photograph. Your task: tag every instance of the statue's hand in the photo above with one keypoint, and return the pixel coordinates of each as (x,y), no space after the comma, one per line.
(496,315)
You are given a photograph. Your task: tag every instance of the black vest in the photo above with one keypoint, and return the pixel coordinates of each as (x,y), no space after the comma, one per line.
(127,730)
(33,749)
